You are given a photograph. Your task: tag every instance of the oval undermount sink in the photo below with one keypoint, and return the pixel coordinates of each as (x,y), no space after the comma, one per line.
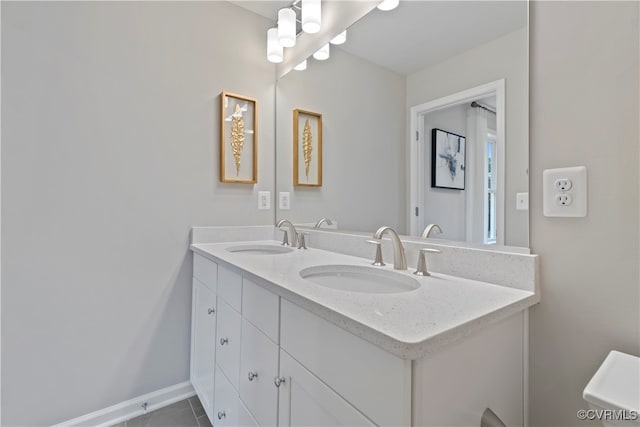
(354,278)
(259,249)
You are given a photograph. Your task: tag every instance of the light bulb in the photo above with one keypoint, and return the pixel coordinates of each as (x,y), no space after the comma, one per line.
(287,27)
(388,4)
(301,66)
(274,50)
(340,38)
(322,53)
(311,16)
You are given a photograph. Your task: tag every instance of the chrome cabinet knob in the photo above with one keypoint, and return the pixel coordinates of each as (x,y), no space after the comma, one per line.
(224,341)
(278,380)
(221,415)
(252,375)
(211,311)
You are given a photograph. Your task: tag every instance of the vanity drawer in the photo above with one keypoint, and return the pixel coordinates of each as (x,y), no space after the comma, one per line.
(228,342)
(230,287)
(258,368)
(225,411)
(371,379)
(262,308)
(206,271)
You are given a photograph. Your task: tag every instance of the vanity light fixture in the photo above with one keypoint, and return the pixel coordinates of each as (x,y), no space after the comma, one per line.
(311,16)
(275,52)
(322,53)
(301,66)
(340,38)
(287,27)
(388,4)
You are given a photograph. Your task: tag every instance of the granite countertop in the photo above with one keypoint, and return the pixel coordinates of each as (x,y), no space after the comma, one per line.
(410,325)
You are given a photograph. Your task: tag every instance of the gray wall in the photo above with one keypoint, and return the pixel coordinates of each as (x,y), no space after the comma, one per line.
(363,116)
(584,111)
(506,58)
(443,206)
(109,156)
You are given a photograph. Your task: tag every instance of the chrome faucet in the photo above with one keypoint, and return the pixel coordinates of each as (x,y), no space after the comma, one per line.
(399,259)
(323,220)
(431,228)
(292,228)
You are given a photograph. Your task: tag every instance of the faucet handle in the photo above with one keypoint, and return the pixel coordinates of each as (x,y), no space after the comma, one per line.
(285,238)
(301,241)
(378,262)
(421,269)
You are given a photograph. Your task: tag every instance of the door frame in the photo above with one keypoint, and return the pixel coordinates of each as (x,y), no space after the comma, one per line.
(418,138)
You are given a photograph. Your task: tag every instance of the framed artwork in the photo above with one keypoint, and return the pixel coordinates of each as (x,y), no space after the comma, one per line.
(307,148)
(238,139)
(447,160)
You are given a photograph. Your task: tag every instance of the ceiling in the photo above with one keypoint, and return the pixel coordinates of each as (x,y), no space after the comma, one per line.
(420,33)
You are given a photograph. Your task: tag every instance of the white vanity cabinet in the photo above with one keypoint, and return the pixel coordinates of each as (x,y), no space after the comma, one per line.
(278,364)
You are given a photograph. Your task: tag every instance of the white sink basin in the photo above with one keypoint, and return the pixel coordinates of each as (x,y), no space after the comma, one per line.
(259,249)
(355,278)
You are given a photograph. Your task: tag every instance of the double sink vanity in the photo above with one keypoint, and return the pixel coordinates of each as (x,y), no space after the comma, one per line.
(318,336)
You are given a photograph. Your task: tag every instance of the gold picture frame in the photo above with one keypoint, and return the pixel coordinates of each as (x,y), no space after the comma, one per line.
(307,139)
(238,139)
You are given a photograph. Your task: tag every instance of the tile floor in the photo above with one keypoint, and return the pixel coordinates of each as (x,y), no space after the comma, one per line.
(186,413)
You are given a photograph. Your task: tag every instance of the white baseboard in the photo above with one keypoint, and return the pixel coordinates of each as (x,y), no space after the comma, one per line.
(133,407)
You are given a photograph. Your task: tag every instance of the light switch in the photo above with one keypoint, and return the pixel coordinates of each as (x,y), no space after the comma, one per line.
(522,201)
(564,192)
(284,200)
(264,200)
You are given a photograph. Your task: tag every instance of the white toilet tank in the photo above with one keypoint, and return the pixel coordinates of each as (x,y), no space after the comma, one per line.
(614,391)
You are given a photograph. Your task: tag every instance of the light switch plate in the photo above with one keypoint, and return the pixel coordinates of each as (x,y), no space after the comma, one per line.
(571,202)
(284,200)
(264,200)
(522,201)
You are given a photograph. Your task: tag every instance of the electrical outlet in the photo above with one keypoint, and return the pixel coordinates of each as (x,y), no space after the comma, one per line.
(564,199)
(522,201)
(563,184)
(264,200)
(564,192)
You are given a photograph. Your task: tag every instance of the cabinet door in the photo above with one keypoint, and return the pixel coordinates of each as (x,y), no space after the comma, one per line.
(226,407)
(228,342)
(203,335)
(258,368)
(304,400)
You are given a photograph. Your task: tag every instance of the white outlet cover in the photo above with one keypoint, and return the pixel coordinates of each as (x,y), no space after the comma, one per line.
(522,201)
(578,192)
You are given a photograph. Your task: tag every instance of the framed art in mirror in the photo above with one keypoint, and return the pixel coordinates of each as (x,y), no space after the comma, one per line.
(238,139)
(447,160)
(307,148)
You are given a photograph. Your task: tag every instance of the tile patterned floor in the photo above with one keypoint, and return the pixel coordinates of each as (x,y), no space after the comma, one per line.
(186,413)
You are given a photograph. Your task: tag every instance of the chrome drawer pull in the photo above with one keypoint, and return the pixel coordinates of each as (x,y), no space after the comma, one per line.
(252,375)
(221,415)
(211,311)
(278,380)
(224,341)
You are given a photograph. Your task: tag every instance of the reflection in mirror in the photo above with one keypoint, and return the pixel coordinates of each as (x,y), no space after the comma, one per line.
(400,75)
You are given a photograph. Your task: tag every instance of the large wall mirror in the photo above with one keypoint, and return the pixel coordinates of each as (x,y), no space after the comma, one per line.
(424,120)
